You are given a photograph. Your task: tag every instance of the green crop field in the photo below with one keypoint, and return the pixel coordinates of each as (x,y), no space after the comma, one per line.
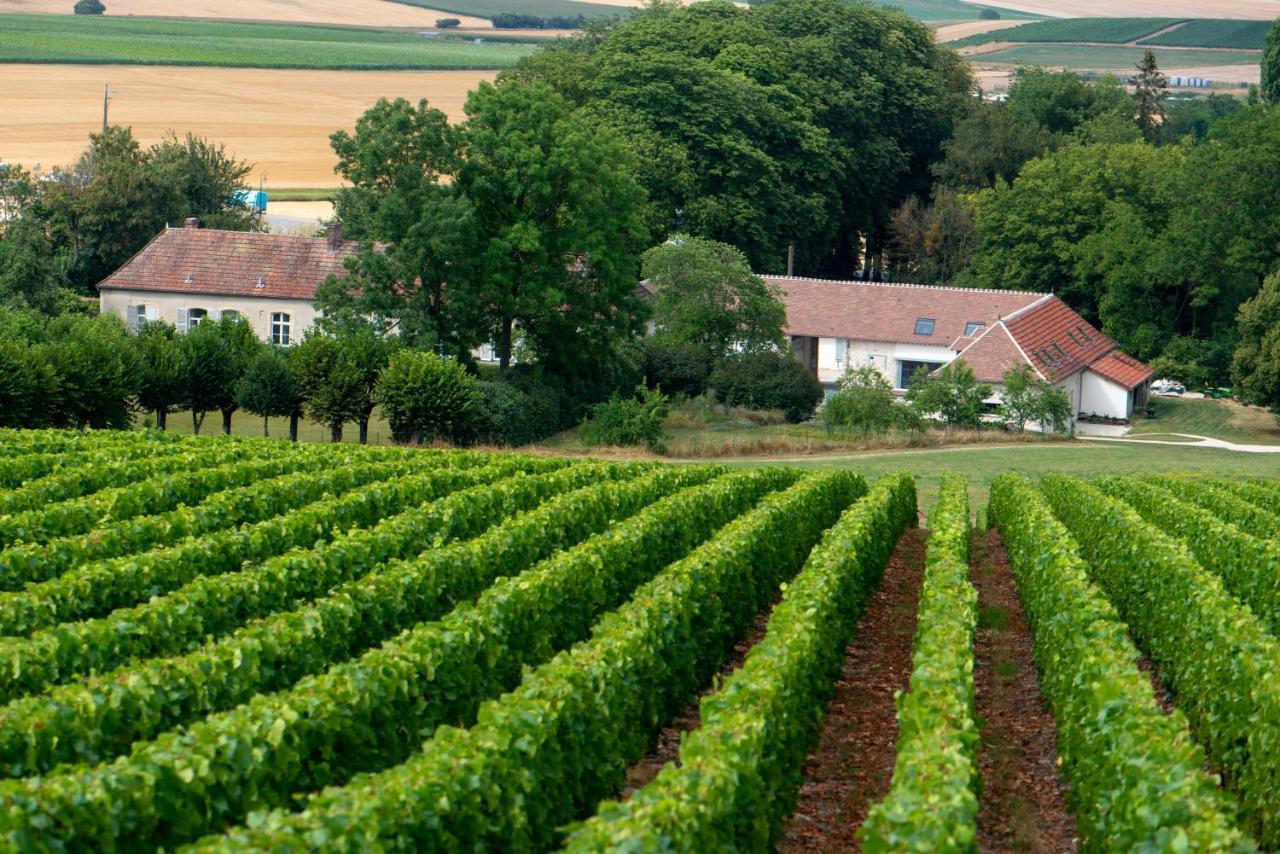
(223,644)
(1108,58)
(945,11)
(1101,30)
(126,41)
(540,8)
(1251,35)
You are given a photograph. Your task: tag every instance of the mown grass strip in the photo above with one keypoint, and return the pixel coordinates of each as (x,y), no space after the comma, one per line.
(740,771)
(932,803)
(1136,775)
(550,750)
(192,781)
(1215,654)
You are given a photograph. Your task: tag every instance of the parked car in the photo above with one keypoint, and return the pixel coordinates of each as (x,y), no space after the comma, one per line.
(1168,388)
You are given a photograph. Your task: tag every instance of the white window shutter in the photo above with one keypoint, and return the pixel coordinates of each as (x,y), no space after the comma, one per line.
(153,314)
(842,350)
(131,314)
(182,321)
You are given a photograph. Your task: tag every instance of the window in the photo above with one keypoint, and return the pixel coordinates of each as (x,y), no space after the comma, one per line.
(280,323)
(229,313)
(136,315)
(907,370)
(972,328)
(195,316)
(924,326)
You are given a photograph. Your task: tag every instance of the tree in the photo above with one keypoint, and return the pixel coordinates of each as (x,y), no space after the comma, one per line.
(988,145)
(1061,101)
(204,179)
(208,369)
(332,385)
(1028,397)
(954,396)
(1255,366)
(864,403)
(89,7)
(557,213)
(95,371)
(1150,87)
(1270,89)
(931,243)
(244,347)
(706,295)
(368,352)
(426,397)
(270,388)
(159,380)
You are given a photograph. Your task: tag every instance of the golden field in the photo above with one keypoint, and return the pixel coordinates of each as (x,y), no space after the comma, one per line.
(279,120)
(365,13)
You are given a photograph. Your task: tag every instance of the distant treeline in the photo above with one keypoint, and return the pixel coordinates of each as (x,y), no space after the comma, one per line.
(512,21)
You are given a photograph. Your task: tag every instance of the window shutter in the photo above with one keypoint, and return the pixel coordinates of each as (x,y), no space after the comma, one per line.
(842,350)
(182,321)
(131,315)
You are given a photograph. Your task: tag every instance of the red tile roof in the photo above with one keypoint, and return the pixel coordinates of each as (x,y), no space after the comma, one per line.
(232,263)
(1122,369)
(874,311)
(1057,341)
(991,354)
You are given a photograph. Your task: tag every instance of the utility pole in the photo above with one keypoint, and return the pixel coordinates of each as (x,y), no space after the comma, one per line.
(106,98)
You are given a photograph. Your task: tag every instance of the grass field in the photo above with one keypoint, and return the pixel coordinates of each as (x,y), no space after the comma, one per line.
(1226,34)
(1104,30)
(48,39)
(1217,419)
(278,120)
(946,10)
(1108,58)
(368,13)
(541,8)
(1258,10)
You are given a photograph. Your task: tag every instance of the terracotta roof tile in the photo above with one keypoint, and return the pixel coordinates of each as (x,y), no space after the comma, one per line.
(992,354)
(207,261)
(1058,341)
(874,311)
(1122,369)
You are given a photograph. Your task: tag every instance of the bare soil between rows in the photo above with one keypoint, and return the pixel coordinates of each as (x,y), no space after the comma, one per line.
(1022,802)
(852,765)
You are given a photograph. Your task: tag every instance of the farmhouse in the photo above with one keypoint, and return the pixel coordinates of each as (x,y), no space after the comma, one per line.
(900,328)
(187,274)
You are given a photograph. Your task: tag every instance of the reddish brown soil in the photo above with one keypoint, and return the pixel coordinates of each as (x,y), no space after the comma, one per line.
(1022,802)
(667,747)
(852,765)
(1164,697)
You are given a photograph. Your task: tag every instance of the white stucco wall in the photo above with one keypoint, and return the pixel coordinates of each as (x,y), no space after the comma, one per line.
(1099,396)
(302,313)
(857,353)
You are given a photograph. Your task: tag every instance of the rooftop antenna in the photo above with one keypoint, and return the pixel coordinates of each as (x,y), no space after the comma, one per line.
(106,99)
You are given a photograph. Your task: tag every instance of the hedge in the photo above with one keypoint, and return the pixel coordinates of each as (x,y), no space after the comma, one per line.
(740,771)
(365,713)
(1215,654)
(1136,776)
(932,803)
(541,755)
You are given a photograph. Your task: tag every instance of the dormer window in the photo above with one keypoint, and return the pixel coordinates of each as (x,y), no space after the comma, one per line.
(972,328)
(924,326)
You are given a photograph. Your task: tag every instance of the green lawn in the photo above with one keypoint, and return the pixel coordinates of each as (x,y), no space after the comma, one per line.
(1218,419)
(1079,459)
(302,194)
(141,41)
(1106,58)
(540,8)
(244,424)
(948,11)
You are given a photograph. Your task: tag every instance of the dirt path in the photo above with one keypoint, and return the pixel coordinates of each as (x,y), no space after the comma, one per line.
(1022,803)
(667,747)
(852,765)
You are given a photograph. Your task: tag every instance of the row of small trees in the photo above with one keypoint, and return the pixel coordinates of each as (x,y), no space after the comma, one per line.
(866,404)
(85,371)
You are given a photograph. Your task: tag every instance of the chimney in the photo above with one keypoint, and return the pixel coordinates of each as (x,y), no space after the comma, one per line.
(191,222)
(335,236)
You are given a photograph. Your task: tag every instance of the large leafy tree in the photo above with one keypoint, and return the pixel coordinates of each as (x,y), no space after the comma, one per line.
(990,144)
(244,346)
(558,222)
(270,389)
(1062,101)
(208,370)
(705,294)
(331,384)
(1255,366)
(159,380)
(1271,65)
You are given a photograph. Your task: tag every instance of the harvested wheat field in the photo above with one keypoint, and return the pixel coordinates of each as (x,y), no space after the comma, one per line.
(279,120)
(1261,10)
(952,32)
(365,13)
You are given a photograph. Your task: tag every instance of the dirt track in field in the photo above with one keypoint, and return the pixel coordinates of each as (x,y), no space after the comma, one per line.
(279,120)
(852,765)
(1022,802)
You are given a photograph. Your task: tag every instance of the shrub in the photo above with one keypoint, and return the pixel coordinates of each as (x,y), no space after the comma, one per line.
(552,408)
(89,7)
(676,368)
(864,403)
(769,380)
(426,397)
(508,416)
(954,396)
(447,23)
(622,421)
(989,15)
